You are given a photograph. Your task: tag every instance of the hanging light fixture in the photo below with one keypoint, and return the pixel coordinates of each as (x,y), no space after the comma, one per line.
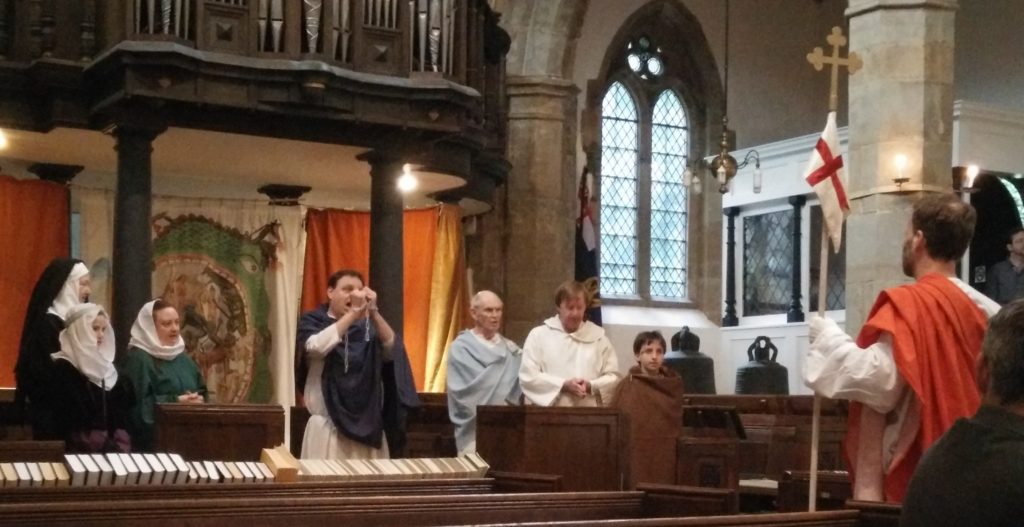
(723,167)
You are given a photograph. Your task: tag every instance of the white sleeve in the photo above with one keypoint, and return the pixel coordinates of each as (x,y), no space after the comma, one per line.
(324,341)
(837,368)
(541,388)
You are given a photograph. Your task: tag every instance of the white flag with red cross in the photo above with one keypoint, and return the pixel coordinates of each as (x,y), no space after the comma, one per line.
(825,174)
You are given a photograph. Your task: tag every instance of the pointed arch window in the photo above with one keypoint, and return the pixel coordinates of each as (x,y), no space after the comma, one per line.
(619,207)
(643,221)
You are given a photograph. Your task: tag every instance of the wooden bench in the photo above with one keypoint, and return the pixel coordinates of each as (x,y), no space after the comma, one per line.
(846,518)
(834,489)
(778,430)
(270,509)
(876,514)
(251,490)
(28,450)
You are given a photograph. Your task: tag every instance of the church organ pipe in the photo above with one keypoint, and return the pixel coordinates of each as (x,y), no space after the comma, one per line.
(150,15)
(311,10)
(5,35)
(261,24)
(412,33)
(730,319)
(87,39)
(421,18)
(46,27)
(346,29)
(276,23)
(434,35)
(165,16)
(35,29)
(796,311)
(178,8)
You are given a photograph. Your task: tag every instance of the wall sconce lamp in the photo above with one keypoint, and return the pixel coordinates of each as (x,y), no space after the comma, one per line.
(901,165)
(964,177)
(723,167)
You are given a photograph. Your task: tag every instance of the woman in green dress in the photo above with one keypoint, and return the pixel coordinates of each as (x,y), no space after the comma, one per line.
(159,370)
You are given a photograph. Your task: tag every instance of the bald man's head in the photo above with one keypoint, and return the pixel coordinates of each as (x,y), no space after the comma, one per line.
(486,309)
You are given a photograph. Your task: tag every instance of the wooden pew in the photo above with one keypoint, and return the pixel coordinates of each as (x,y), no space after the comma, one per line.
(778,429)
(226,432)
(301,489)
(846,518)
(429,430)
(876,514)
(525,482)
(412,511)
(11,451)
(588,447)
(834,489)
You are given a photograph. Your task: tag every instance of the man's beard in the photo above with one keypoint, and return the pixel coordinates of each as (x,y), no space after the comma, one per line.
(908,260)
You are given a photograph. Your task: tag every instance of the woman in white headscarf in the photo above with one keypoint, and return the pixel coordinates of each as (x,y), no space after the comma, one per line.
(91,402)
(159,369)
(63,284)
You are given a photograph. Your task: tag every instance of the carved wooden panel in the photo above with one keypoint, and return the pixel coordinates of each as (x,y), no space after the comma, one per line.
(226,432)
(586,446)
(225,28)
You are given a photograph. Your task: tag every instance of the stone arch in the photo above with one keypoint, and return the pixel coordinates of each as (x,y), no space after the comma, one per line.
(699,86)
(696,80)
(544,35)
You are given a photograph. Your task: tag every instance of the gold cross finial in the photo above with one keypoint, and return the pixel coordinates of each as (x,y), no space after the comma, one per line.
(818,59)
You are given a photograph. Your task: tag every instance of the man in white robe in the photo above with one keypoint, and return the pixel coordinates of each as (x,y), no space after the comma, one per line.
(910,372)
(483,369)
(568,361)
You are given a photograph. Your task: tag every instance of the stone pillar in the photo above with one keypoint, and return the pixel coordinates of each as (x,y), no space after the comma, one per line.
(900,103)
(133,248)
(541,189)
(386,270)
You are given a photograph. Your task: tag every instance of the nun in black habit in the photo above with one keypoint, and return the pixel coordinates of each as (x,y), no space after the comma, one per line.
(63,285)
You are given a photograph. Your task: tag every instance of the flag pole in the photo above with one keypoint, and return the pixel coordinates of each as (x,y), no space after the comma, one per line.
(812,490)
(852,62)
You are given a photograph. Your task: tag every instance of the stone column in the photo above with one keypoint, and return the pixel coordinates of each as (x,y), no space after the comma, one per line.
(900,103)
(133,248)
(386,270)
(541,188)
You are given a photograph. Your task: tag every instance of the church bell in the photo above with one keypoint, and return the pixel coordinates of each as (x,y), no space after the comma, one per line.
(696,368)
(762,375)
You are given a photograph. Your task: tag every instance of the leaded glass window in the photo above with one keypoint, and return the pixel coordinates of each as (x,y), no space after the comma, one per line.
(836,281)
(668,198)
(645,146)
(618,214)
(767,263)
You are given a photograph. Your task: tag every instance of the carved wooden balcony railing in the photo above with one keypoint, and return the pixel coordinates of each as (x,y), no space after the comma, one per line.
(393,37)
(455,40)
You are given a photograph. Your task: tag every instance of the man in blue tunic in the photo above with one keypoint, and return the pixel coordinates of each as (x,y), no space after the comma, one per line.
(355,373)
(483,369)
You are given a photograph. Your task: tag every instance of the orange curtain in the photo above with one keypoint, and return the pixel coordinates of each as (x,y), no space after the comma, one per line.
(338,239)
(34,224)
(449,298)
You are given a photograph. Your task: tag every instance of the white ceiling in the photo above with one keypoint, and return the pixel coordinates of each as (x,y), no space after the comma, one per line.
(199,163)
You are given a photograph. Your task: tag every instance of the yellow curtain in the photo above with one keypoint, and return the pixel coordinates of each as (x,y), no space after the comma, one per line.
(449,297)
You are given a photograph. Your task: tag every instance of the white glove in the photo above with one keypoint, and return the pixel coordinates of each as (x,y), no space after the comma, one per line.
(818,325)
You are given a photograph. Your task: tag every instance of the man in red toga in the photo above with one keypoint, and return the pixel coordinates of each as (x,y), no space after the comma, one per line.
(910,373)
